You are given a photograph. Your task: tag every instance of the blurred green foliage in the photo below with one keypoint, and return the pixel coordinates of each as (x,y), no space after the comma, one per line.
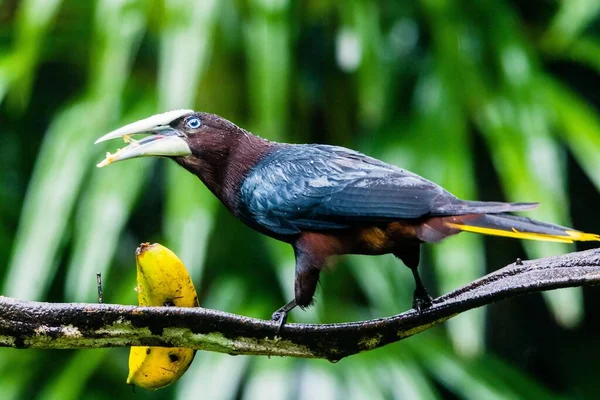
(493,99)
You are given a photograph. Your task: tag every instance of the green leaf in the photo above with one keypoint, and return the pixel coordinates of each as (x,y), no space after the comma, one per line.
(74,376)
(268,53)
(584,50)
(579,125)
(475,379)
(34,19)
(572,18)
(271,379)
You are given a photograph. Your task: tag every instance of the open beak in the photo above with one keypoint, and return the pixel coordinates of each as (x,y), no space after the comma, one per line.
(164,140)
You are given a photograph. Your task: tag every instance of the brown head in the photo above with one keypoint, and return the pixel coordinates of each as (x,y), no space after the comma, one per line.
(212,148)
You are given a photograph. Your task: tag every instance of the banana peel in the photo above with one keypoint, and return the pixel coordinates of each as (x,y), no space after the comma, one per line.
(162,278)
(162,281)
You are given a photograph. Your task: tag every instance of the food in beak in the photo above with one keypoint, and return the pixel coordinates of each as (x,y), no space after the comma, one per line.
(164,141)
(165,145)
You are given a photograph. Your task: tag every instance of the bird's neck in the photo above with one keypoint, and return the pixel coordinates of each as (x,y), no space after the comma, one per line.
(223,168)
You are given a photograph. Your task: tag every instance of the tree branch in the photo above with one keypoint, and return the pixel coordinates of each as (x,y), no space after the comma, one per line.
(25,324)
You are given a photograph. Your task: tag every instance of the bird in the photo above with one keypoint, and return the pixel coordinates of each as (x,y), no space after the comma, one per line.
(323,200)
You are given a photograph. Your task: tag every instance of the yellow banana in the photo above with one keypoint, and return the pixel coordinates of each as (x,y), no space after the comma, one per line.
(162,281)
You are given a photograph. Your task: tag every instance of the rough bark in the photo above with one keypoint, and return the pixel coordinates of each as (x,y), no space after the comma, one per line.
(25,324)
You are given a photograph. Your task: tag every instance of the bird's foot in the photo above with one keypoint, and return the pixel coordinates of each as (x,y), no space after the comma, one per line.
(280,316)
(421,300)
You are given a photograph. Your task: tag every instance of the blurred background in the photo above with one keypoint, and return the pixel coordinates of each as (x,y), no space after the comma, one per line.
(493,99)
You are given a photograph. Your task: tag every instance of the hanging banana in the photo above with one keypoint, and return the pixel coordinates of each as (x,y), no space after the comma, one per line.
(162,281)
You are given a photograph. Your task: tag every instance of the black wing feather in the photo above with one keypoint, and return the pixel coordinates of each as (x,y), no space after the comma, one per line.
(326,187)
(318,187)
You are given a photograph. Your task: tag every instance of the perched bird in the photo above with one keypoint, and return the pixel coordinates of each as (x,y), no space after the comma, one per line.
(323,200)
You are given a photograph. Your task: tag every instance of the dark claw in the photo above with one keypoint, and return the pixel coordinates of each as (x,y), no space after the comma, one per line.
(280,317)
(519,261)
(421,301)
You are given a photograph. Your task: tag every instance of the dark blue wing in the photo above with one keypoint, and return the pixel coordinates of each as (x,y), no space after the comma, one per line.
(317,187)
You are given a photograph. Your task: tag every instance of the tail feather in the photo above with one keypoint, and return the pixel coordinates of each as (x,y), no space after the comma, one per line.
(462,207)
(518,227)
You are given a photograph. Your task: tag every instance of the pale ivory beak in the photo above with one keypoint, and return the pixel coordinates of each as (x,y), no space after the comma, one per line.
(164,141)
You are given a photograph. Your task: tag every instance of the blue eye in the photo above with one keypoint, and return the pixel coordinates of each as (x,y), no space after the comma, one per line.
(193,123)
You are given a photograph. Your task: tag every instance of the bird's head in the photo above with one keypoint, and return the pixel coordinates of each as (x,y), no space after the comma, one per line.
(184,135)
(212,148)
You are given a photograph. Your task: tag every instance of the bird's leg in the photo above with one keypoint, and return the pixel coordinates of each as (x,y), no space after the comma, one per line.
(421,298)
(309,261)
(410,256)
(307,277)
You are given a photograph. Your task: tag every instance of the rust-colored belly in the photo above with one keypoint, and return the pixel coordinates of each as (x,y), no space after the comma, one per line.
(368,240)
(382,239)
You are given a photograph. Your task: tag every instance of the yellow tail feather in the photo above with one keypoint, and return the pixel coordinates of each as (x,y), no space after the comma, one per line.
(570,235)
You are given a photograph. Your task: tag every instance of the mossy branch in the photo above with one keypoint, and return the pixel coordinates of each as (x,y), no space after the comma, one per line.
(26,324)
